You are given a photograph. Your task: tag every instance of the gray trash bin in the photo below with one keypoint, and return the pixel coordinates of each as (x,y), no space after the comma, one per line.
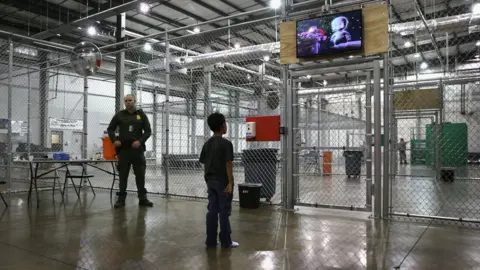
(353,163)
(261,167)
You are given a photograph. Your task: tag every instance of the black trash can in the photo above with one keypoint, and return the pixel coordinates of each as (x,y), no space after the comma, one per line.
(261,167)
(353,163)
(249,195)
(447,174)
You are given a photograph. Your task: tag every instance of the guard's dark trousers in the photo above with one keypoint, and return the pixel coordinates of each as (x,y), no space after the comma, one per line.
(132,157)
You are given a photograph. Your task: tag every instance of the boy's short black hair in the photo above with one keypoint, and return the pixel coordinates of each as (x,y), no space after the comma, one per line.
(216,121)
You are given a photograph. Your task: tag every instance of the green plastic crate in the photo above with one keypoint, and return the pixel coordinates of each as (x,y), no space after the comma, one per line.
(453,144)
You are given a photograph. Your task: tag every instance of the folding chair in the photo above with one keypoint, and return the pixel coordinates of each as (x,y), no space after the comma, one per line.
(82,176)
(116,177)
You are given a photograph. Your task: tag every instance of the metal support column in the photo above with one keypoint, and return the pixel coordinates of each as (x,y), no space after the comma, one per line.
(8,173)
(288,141)
(297,143)
(135,82)
(308,112)
(378,140)
(207,107)
(386,134)
(237,124)
(368,140)
(193,113)
(167,112)
(231,111)
(154,123)
(29,114)
(120,63)
(43,99)
(85,119)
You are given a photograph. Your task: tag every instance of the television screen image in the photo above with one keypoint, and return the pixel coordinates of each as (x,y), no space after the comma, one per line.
(329,34)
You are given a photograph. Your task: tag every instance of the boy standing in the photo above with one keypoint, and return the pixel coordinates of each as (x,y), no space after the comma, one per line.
(217,157)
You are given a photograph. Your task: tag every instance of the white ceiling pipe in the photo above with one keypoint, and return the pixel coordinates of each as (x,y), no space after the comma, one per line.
(410,28)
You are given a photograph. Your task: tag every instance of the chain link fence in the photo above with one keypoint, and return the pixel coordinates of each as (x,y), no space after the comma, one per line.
(434,66)
(176,87)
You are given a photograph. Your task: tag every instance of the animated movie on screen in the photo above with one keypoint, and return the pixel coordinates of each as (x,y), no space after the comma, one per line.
(330,34)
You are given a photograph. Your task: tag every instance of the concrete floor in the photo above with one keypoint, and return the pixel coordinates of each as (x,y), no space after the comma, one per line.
(90,234)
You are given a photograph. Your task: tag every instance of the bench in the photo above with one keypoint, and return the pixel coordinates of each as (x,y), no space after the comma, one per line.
(191,161)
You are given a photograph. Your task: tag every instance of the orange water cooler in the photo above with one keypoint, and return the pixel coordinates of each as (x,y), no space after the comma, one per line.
(327,163)
(109,152)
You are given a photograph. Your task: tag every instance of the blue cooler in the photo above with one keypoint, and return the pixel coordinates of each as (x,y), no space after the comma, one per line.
(61,156)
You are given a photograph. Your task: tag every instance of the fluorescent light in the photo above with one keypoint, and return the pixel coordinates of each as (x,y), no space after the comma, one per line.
(92,31)
(144,7)
(478,43)
(476,8)
(80,28)
(423,65)
(147,47)
(408,44)
(275,4)
(266,58)
(196,30)
(309,76)
(324,82)
(237,45)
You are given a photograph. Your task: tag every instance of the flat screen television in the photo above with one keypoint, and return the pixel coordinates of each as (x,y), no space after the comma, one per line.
(330,34)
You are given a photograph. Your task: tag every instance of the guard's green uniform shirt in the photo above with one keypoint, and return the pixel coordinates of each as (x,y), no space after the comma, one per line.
(131,127)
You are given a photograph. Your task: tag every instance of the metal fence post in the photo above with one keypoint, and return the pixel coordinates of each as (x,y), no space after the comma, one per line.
(386,136)
(120,64)
(29,114)
(85,118)
(167,112)
(378,140)
(288,141)
(8,172)
(368,140)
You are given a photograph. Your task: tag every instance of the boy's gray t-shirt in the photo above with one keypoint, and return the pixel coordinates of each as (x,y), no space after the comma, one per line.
(215,154)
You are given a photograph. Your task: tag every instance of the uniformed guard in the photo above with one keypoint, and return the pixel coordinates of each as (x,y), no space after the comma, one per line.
(134,130)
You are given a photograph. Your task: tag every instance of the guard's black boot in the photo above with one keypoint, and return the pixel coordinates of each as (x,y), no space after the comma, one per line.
(119,203)
(145,202)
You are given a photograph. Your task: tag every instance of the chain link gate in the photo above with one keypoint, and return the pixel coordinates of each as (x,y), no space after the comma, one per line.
(334,142)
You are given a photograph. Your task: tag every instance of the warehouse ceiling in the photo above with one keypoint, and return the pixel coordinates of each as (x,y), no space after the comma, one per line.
(68,21)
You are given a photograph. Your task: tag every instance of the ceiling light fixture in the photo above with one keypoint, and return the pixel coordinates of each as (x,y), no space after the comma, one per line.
(408,44)
(478,43)
(275,4)
(196,30)
(324,82)
(237,45)
(92,31)
(266,58)
(309,76)
(476,8)
(417,55)
(423,65)
(147,47)
(144,7)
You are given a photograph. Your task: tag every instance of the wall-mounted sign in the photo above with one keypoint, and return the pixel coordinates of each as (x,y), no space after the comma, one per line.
(65,124)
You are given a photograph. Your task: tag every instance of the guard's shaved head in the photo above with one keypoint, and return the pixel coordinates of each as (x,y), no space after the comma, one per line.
(130,102)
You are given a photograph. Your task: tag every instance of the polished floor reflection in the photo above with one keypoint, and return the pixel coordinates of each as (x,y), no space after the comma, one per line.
(90,234)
